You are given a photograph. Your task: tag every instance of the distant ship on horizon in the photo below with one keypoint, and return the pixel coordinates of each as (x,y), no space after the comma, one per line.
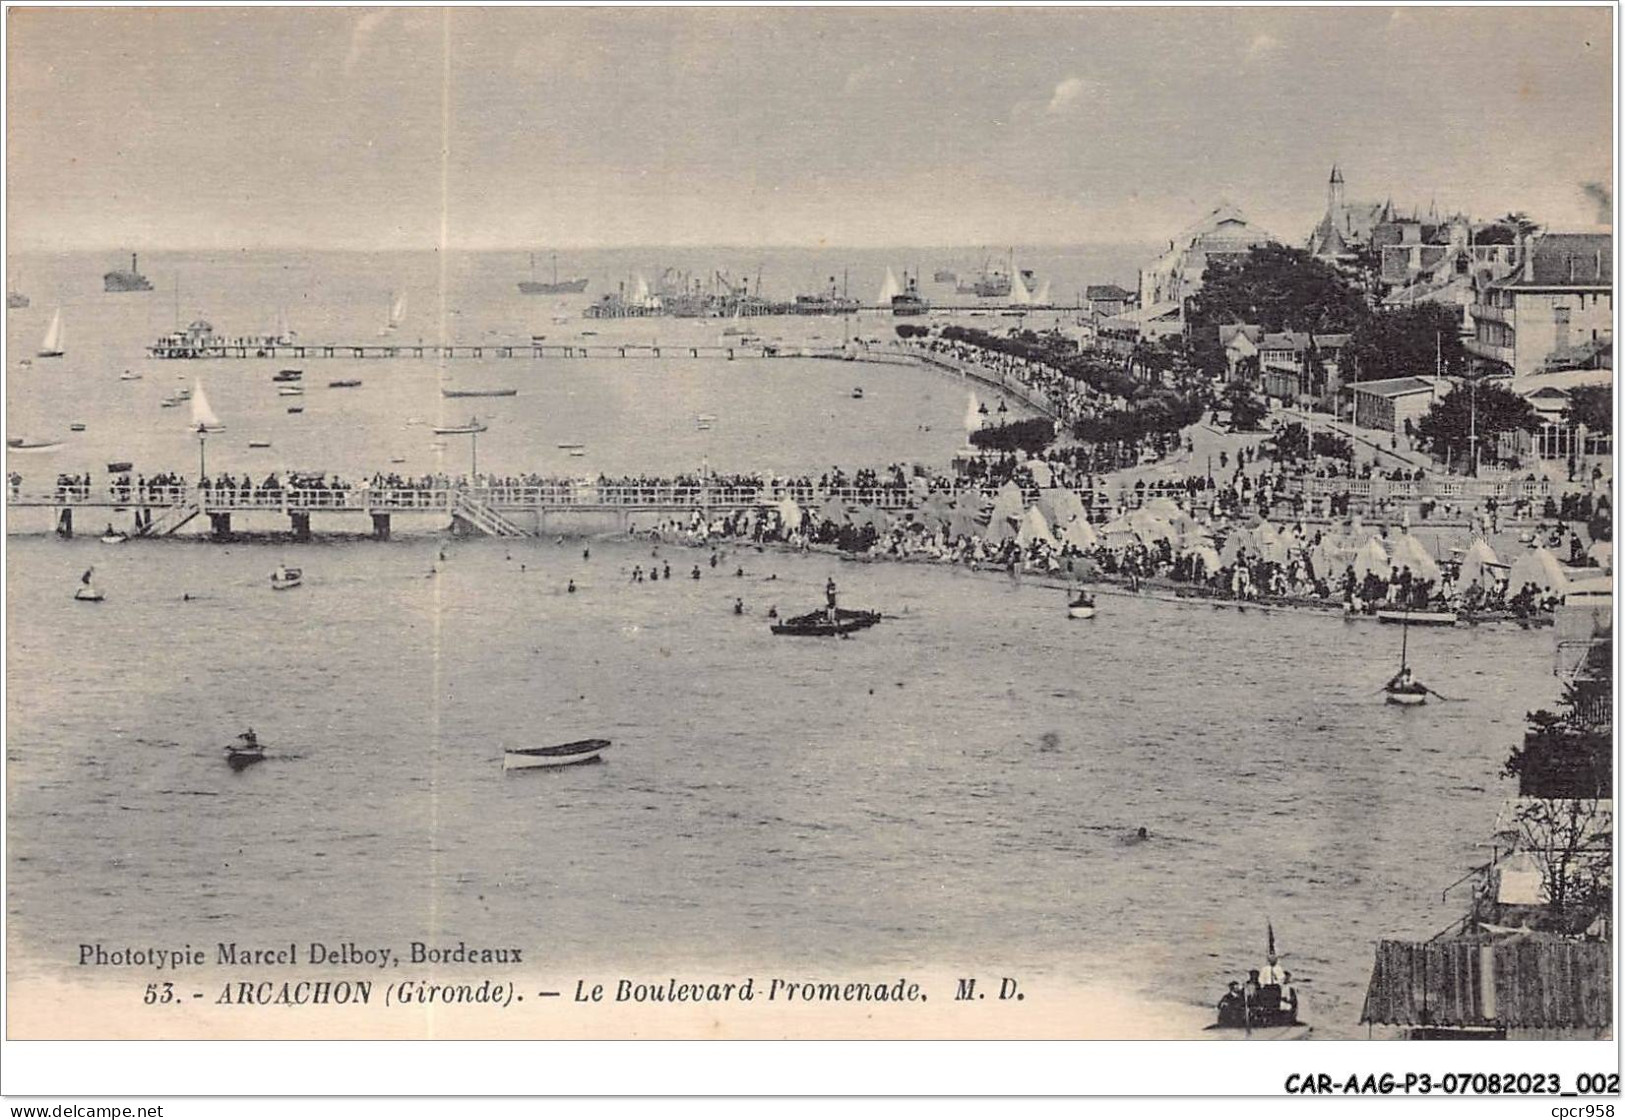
(555,287)
(120,280)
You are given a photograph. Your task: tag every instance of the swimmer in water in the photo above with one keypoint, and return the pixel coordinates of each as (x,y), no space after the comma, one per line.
(739,606)
(571,587)
(586,554)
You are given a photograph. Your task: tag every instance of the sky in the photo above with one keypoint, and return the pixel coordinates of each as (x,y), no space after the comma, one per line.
(366,128)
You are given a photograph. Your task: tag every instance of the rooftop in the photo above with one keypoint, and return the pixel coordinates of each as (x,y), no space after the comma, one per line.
(1394,386)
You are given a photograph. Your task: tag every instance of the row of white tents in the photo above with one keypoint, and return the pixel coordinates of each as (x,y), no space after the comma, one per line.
(1059,517)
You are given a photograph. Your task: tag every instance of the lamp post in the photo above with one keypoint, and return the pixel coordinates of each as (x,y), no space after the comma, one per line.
(474,450)
(202,459)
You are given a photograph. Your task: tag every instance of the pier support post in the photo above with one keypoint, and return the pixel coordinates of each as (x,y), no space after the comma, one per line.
(380,526)
(64,524)
(301,526)
(220,526)
(461,527)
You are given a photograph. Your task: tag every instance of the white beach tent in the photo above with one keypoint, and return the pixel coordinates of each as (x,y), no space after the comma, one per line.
(1479,563)
(1079,534)
(1539,567)
(1372,558)
(1034,529)
(789,513)
(1060,505)
(1003,522)
(1208,555)
(1408,552)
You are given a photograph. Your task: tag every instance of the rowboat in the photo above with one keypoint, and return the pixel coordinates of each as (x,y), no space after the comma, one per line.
(287,375)
(111,537)
(1405,695)
(826,623)
(76,427)
(565,754)
(285,577)
(1081,607)
(479,393)
(259,443)
(1417,618)
(298,408)
(291,391)
(461,429)
(19,443)
(345,383)
(245,750)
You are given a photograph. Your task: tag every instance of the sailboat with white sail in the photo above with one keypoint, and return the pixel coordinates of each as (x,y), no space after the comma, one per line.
(1042,298)
(397,313)
(973,415)
(51,345)
(889,289)
(1020,294)
(203,417)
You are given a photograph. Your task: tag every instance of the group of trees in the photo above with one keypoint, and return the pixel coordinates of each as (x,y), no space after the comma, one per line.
(1031,436)
(1486,409)
(1297,442)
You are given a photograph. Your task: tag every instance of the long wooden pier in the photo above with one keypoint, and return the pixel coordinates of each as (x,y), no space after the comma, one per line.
(219,349)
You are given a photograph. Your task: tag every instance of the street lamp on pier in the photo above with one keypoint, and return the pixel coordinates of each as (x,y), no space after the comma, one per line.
(202,459)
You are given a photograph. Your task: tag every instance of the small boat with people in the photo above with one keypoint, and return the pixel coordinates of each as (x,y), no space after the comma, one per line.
(452,393)
(76,427)
(129,375)
(290,391)
(296,409)
(288,375)
(285,577)
(87,592)
(857,392)
(345,383)
(830,622)
(1081,606)
(245,749)
(1402,688)
(1263,1006)
(113,536)
(258,444)
(564,754)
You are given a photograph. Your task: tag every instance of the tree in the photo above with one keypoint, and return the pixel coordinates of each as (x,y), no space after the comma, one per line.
(1446,431)
(1592,406)
(1571,840)
(1032,436)
(1278,288)
(1407,341)
(1246,409)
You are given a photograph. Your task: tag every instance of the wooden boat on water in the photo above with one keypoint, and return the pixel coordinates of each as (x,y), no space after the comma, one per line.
(285,577)
(291,391)
(1417,618)
(259,444)
(1081,606)
(245,750)
(479,392)
(114,537)
(1401,689)
(288,375)
(296,409)
(1263,1007)
(19,443)
(470,428)
(565,754)
(827,623)
(76,427)
(345,383)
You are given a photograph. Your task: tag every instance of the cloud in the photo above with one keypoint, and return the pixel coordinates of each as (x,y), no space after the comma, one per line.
(365,25)
(1068,93)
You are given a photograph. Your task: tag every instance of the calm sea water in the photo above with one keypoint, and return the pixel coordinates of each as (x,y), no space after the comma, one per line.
(952,788)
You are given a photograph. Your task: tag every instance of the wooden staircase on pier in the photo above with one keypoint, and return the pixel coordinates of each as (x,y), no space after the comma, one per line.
(466,508)
(171,519)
